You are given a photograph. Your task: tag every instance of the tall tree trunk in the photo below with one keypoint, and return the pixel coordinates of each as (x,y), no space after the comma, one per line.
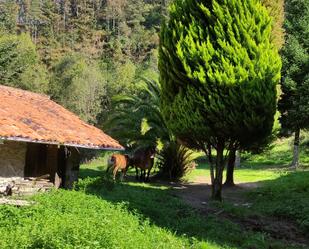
(207,151)
(237,160)
(230,168)
(211,165)
(295,162)
(217,184)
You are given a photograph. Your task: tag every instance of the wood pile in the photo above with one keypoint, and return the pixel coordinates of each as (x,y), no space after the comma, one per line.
(19,186)
(18,203)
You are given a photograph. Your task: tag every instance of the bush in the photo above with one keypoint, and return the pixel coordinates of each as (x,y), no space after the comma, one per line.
(175,161)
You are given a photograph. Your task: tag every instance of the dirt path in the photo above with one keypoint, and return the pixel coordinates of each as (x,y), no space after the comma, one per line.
(197,194)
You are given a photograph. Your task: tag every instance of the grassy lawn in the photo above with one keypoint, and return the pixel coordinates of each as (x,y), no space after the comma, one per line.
(286,197)
(130,215)
(103,214)
(269,165)
(242,174)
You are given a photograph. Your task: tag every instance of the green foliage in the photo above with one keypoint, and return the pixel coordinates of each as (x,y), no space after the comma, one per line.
(90,27)
(218,71)
(79,86)
(137,120)
(175,161)
(19,64)
(8,13)
(121,36)
(293,104)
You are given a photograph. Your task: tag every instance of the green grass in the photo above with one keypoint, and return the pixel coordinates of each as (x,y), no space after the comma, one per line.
(286,197)
(279,154)
(242,175)
(269,165)
(64,219)
(119,216)
(283,193)
(102,214)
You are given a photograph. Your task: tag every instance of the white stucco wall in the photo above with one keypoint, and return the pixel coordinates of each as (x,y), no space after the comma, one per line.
(12,159)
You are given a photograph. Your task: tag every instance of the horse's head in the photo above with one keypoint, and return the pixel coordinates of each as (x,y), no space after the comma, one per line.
(111,160)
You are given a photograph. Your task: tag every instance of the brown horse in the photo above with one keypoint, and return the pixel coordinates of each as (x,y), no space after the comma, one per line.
(143,160)
(118,162)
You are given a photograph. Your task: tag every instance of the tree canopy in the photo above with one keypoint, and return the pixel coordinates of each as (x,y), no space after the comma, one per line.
(20,65)
(218,70)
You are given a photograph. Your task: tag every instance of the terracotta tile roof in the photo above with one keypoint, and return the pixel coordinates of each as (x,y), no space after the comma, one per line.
(31,117)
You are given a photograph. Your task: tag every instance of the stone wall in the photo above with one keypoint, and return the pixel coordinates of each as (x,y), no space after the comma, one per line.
(12,159)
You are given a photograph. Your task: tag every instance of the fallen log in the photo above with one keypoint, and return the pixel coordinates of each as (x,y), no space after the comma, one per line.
(21,186)
(19,203)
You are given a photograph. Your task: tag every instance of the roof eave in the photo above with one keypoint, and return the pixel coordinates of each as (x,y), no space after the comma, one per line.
(28,140)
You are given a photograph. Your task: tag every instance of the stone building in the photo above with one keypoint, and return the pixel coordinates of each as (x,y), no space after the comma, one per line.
(39,137)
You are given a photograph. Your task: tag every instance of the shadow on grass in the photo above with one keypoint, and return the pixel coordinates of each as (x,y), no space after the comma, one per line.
(158,204)
(286,197)
(154,203)
(86,172)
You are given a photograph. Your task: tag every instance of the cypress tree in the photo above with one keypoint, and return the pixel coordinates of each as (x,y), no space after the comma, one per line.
(218,70)
(276,11)
(294,102)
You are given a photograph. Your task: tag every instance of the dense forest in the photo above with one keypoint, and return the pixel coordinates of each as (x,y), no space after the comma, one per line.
(82,53)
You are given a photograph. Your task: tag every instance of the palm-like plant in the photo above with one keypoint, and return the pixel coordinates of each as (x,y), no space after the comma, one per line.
(137,122)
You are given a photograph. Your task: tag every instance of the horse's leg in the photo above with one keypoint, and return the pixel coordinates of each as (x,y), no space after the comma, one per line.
(124,172)
(148,173)
(144,175)
(136,173)
(150,167)
(115,173)
(122,175)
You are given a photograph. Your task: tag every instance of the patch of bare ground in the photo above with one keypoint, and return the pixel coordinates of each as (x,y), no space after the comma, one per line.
(197,195)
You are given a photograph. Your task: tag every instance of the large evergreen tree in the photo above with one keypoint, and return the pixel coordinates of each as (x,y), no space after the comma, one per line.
(219,72)
(276,11)
(294,102)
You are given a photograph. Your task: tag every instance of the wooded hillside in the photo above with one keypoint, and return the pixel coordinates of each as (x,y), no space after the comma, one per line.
(82,53)
(79,52)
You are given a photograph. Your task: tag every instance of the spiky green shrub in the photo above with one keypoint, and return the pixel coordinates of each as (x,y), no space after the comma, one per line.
(218,71)
(175,161)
